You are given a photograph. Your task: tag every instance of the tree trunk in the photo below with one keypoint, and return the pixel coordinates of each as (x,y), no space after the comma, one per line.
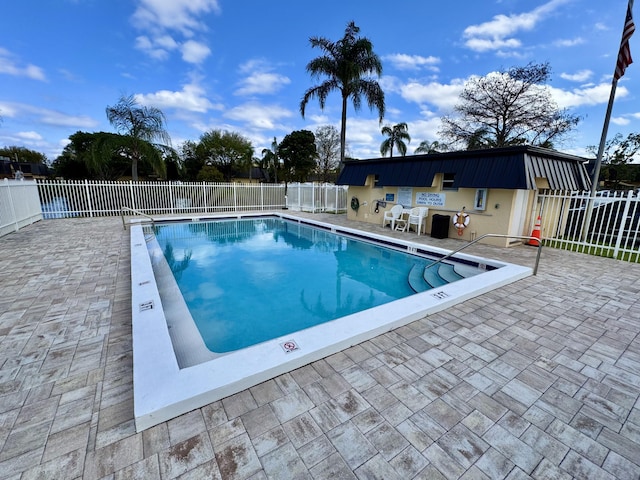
(343,130)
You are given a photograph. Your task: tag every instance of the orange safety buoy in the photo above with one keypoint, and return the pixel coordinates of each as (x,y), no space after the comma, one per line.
(461,221)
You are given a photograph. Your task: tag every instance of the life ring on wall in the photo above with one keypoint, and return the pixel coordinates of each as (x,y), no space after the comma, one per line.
(461,221)
(355,203)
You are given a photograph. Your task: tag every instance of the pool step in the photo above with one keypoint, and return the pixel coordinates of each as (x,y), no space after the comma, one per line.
(416,278)
(421,279)
(447,272)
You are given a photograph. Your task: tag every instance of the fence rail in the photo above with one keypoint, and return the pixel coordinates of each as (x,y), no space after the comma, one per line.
(605,225)
(62,199)
(19,205)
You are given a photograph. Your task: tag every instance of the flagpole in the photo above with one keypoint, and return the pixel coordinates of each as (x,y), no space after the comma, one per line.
(625,56)
(605,128)
(603,137)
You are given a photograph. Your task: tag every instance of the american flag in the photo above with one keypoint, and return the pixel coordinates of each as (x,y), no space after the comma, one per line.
(624,55)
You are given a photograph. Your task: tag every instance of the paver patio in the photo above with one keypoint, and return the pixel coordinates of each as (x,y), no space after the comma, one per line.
(540,379)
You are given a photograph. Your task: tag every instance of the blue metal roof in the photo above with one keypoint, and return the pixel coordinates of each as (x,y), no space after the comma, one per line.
(509,168)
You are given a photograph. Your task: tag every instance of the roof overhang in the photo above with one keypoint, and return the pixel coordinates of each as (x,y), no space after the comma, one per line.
(508,168)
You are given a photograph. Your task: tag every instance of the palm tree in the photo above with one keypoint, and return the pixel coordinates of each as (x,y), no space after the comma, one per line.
(430,147)
(397,134)
(271,160)
(480,139)
(143,126)
(347,63)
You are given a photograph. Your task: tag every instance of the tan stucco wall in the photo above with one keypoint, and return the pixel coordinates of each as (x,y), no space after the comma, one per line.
(495,219)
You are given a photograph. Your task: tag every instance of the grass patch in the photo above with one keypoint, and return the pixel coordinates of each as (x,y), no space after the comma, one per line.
(597,249)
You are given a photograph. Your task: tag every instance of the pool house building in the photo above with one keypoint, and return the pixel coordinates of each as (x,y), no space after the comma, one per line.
(497,188)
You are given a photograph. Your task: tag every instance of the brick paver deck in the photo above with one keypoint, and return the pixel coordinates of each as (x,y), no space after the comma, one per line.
(540,379)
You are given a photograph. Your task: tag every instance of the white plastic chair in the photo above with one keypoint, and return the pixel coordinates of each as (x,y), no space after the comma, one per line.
(390,216)
(417,218)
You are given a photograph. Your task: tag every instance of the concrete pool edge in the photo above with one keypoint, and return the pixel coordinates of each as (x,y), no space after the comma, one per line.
(163,391)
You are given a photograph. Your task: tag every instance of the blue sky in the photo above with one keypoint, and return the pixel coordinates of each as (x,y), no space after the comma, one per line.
(240,65)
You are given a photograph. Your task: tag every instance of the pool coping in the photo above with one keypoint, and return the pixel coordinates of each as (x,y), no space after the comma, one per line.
(163,391)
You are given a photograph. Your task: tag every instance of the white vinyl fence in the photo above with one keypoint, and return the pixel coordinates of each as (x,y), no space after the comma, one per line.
(309,197)
(605,225)
(19,205)
(84,198)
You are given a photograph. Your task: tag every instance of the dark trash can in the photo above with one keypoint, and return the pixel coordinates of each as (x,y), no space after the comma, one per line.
(440,226)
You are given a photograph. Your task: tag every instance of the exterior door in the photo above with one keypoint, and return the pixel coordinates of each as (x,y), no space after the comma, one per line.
(519,215)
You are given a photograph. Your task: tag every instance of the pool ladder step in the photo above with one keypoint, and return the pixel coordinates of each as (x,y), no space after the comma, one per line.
(421,279)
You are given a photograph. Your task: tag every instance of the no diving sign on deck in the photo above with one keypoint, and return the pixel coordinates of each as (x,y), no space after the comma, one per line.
(289,346)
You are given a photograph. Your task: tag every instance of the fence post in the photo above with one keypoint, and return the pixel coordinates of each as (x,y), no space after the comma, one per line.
(315,190)
(13,210)
(171,197)
(235,197)
(133,203)
(262,196)
(88,194)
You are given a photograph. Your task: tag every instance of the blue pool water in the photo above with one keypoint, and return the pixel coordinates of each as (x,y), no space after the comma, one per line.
(249,280)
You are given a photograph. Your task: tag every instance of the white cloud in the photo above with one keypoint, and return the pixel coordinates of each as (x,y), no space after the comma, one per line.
(622,121)
(192,98)
(569,42)
(160,48)
(363,138)
(260,80)
(153,48)
(586,96)
(39,115)
(166,41)
(484,44)
(423,130)
(403,61)
(30,136)
(58,119)
(7,110)
(259,116)
(9,66)
(194,52)
(262,83)
(184,16)
(580,76)
(441,95)
(498,33)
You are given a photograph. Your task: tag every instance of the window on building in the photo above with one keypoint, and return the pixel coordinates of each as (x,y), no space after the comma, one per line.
(373,181)
(447,181)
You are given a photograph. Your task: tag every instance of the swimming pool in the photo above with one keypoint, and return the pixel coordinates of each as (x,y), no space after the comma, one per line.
(249,280)
(163,390)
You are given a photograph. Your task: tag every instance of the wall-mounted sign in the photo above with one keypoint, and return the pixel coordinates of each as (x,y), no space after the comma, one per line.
(389,197)
(405,195)
(428,199)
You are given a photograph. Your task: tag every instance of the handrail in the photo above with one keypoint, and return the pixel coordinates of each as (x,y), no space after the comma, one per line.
(535,268)
(123,209)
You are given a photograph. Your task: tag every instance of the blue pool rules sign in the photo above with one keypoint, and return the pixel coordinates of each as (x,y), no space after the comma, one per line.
(429,199)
